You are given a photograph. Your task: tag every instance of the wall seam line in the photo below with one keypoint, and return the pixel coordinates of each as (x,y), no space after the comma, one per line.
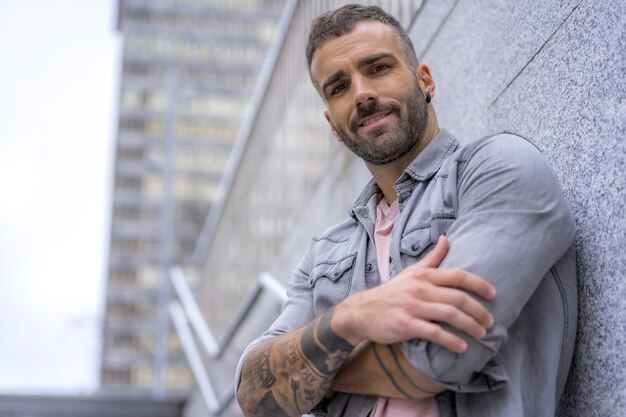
(536,53)
(441,25)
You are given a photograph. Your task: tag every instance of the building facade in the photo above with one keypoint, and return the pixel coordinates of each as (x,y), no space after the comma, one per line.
(553,72)
(188,70)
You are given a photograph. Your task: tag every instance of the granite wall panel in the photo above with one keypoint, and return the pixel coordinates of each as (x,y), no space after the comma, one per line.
(554,72)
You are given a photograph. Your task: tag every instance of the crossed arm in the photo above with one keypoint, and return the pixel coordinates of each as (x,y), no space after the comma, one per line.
(354,346)
(510,210)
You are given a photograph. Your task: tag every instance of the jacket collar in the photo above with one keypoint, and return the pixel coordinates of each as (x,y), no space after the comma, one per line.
(429,161)
(423,167)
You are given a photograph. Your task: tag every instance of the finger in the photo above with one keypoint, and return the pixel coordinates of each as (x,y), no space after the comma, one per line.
(450,314)
(462,301)
(460,278)
(435,333)
(435,256)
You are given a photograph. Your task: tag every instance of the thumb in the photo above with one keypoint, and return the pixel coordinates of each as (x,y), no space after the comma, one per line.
(435,256)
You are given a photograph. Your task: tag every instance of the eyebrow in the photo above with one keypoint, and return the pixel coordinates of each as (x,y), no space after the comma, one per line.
(368,60)
(335,76)
(363,62)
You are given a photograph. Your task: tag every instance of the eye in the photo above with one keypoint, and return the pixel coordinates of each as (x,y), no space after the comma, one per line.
(338,89)
(379,68)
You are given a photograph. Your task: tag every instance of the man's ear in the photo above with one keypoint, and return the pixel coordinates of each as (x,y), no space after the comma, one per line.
(332,126)
(426,81)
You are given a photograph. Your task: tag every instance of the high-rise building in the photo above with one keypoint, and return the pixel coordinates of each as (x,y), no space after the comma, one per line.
(188,71)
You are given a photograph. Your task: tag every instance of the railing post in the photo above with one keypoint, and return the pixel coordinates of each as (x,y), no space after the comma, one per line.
(187,319)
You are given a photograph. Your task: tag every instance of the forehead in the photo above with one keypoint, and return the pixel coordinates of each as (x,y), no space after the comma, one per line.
(366,38)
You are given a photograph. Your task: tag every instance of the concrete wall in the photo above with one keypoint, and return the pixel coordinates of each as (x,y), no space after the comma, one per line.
(554,72)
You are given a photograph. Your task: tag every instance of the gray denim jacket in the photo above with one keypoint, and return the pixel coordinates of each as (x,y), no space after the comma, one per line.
(500,205)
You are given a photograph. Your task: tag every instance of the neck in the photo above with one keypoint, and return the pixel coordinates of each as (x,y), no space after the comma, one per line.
(387,175)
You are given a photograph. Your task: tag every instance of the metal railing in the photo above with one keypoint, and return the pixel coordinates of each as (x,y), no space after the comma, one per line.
(188,320)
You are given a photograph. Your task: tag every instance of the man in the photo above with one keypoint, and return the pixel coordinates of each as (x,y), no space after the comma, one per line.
(434,340)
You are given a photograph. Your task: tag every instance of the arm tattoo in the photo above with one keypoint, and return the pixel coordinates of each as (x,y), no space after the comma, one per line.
(264,370)
(294,387)
(387,372)
(401,368)
(254,394)
(323,348)
(291,374)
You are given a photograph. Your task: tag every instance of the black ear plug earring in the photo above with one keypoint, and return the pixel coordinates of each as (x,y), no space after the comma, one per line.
(428,97)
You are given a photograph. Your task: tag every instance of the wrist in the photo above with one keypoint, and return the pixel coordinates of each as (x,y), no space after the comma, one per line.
(343,323)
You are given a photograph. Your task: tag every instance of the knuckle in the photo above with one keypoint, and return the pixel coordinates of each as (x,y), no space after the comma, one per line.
(418,290)
(450,313)
(458,299)
(420,274)
(401,323)
(432,332)
(410,305)
(459,275)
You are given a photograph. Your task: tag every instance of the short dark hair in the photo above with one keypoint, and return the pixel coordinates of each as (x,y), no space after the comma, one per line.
(338,22)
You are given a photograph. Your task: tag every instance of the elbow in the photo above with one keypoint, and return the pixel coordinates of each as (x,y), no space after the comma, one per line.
(244,402)
(246,392)
(475,367)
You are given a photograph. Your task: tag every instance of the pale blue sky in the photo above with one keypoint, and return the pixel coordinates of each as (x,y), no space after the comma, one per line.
(58,96)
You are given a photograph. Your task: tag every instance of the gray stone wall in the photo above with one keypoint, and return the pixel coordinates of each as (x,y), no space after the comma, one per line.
(553,72)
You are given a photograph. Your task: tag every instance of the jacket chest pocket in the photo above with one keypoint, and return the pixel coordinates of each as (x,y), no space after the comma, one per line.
(419,238)
(330,281)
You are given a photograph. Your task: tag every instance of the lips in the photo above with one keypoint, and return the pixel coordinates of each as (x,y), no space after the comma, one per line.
(372,115)
(373,118)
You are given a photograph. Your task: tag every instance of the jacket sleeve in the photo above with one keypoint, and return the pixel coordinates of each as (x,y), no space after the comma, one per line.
(296,312)
(512,225)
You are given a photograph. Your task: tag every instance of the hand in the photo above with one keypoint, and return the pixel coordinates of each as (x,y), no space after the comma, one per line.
(410,305)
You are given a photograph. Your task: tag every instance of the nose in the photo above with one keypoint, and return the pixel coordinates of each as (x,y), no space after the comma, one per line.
(363,91)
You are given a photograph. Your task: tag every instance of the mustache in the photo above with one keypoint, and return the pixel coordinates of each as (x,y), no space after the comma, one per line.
(369,109)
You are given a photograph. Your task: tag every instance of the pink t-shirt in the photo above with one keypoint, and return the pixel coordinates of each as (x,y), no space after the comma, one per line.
(393,407)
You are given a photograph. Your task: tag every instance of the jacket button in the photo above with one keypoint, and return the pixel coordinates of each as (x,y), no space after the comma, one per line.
(390,259)
(369,267)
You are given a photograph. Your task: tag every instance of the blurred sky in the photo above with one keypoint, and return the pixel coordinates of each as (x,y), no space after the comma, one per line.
(59,64)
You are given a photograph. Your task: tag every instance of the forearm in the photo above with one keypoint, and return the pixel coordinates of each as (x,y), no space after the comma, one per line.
(290,374)
(383,370)
(412,306)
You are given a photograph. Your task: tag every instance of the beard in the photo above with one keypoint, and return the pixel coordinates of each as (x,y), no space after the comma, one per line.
(387,144)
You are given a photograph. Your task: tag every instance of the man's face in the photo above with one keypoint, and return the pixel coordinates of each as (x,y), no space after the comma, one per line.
(374,102)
